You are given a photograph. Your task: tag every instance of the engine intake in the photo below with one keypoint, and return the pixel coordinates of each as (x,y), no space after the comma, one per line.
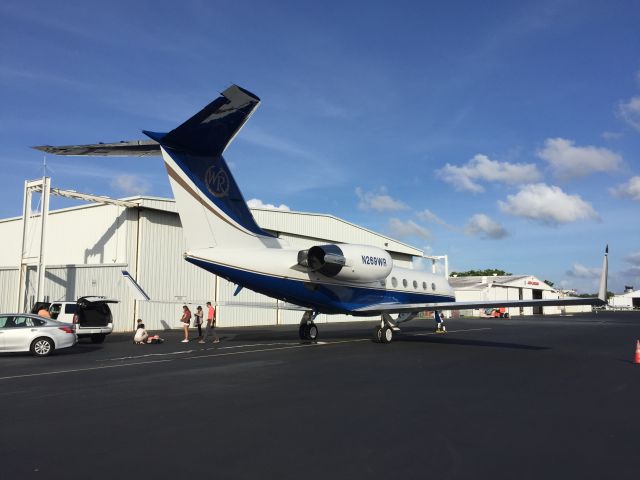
(357,263)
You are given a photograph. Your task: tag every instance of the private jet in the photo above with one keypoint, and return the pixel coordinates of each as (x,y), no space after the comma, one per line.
(358,280)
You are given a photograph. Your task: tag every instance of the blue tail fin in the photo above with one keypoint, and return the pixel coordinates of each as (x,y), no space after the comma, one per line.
(210,130)
(198,171)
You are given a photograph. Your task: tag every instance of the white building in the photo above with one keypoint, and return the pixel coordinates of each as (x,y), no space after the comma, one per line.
(509,287)
(87,247)
(629,299)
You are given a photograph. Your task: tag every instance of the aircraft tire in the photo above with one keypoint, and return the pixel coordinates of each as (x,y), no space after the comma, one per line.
(312,332)
(309,332)
(377,335)
(386,335)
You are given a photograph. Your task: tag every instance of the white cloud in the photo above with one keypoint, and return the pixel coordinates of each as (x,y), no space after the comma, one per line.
(631,275)
(409,228)
(633,258)
(630,112)
(547,204)
(630,189)
(130,185)
(484,227)
(481,169)
(379,201)
(257,203)
(611,135)
(263,139)
(568,161)
(580,271)
(427,215)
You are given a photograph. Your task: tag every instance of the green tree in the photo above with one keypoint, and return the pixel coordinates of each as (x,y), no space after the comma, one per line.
(487,272)
(591,295)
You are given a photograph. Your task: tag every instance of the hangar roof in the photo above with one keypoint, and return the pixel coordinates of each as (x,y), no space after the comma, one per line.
(302,224)
(482,282)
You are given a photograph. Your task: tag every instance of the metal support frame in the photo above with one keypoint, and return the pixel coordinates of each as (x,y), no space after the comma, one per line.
(387,321)
(43,186)
(434,259)
(30,187)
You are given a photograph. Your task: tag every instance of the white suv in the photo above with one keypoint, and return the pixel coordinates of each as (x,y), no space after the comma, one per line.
(90,315)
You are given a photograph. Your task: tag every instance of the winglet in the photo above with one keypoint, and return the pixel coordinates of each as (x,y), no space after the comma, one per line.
(602,292)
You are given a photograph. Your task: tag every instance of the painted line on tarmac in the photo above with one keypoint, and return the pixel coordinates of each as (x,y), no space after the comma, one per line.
(244,352)
(223,354)
(58,372)
(203,349)
(451,331)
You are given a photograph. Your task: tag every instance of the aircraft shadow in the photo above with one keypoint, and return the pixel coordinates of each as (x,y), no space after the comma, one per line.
(443,339)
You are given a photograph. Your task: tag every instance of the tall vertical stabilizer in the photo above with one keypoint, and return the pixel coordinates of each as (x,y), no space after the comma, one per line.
(212,209)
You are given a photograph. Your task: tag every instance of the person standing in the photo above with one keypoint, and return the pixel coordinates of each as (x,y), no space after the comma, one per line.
(440,328)
(185,320)
(211,324)
(198,321)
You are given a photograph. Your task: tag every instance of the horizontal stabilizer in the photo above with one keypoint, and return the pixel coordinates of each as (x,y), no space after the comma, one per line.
(133,148)
(209,132)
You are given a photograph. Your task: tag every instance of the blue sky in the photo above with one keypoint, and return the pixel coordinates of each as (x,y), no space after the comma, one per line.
(505,136)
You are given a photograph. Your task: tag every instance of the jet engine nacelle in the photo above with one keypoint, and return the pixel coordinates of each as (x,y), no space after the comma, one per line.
(356,263)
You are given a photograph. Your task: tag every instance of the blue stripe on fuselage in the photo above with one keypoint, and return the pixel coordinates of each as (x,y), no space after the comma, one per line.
(324,298)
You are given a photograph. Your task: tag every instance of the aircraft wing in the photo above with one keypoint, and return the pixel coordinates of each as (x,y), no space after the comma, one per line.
(419,307)
(601,299)
(133,148)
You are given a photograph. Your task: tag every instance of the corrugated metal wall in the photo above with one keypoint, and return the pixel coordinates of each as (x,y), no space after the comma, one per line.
(68,283)
(8,289)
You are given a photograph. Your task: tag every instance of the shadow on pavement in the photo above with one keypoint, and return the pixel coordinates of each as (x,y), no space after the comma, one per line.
(443,339)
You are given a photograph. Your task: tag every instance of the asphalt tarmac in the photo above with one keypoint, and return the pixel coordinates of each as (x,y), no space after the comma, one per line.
(552,397)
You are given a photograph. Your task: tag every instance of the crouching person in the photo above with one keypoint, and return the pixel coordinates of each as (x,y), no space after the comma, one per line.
(142,336)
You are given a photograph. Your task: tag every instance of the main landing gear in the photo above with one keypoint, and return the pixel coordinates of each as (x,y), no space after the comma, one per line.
(308,329)
(383,333)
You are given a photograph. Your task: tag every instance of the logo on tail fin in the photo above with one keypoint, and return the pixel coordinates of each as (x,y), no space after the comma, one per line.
(217,181)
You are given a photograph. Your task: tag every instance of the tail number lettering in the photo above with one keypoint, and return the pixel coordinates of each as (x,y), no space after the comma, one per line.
(380,262)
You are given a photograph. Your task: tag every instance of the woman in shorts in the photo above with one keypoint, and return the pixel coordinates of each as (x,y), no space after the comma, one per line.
(184,320)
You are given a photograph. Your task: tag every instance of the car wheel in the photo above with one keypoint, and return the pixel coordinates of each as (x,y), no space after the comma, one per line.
(41,347)
(98,337)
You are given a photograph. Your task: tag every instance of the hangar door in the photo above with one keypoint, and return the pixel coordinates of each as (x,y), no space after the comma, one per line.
(537,295)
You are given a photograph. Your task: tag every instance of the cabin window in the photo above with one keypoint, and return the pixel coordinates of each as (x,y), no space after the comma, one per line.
(415,284)
(383,283)
(424,285)
(433,287)
(404,282)
(394,282)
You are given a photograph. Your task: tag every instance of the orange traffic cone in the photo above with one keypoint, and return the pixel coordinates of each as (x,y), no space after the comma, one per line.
(637,359)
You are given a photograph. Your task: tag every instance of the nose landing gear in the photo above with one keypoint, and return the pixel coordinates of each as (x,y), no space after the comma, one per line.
(308,329)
